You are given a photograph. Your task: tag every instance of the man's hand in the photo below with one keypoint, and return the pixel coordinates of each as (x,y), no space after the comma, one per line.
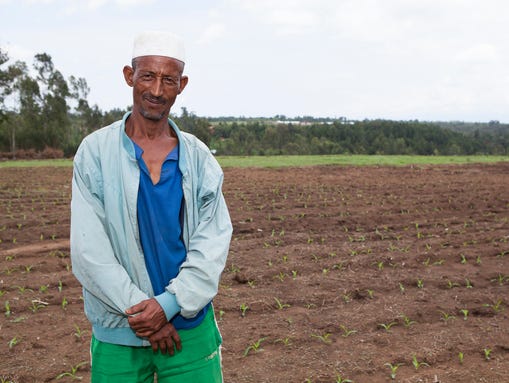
(166,339)
(146,317)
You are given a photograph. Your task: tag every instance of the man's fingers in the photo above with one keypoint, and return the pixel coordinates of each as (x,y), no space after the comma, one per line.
(144,333)
(177,341)
(162,346)
(136,308)
(166,340)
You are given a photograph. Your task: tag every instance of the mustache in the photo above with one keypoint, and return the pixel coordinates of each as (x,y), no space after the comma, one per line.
(154,99)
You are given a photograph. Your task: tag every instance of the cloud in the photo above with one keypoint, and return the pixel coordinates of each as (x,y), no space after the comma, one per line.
(17,52)
(75,6)
(287,17)
(212,33)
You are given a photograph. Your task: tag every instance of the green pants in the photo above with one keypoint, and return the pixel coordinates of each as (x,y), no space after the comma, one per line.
(199,361)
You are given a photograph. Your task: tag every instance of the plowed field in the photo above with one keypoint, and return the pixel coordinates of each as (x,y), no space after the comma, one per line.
(335,274)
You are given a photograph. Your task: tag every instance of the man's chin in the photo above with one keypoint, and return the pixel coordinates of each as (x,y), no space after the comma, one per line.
(153,116)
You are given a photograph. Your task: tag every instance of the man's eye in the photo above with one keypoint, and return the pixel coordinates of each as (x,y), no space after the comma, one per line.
(169,81)
(146,77)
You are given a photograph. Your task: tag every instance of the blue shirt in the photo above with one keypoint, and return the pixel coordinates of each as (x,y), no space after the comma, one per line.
(159,221)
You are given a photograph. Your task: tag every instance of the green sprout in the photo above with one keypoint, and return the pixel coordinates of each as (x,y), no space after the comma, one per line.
(325,338)
(243,309)
(72,373)
(255,346)
(346,331)
(418,364)
(407,322)
(394,368)
(281,306)
(387,326)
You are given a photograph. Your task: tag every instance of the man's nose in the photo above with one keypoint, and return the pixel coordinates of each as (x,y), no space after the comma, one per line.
(157,87)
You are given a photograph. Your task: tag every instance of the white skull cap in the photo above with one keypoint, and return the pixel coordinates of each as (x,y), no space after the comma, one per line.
(159,43)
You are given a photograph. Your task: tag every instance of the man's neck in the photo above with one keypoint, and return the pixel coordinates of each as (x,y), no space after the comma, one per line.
(142,128)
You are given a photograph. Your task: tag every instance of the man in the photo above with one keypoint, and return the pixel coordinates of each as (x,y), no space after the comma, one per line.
(150,233)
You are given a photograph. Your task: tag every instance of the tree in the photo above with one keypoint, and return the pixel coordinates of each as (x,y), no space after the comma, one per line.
(190,123)
(11,79)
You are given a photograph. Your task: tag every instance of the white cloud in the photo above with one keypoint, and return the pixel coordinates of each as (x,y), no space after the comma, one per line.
(132,3)
(18,52)
(479,53)
(287,17)
(212,33)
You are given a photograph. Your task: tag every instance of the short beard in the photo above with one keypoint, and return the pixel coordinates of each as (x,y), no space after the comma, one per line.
(153,116)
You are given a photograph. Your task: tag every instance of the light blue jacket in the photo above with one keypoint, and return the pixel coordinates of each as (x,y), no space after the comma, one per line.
(106,253)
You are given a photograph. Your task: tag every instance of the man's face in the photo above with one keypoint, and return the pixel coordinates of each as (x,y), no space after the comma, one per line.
(156,82)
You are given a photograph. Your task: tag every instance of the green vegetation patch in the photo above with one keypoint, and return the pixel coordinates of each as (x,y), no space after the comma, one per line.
(351,160)
(311,160)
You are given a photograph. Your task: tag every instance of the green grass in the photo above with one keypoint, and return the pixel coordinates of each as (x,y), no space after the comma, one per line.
(35,163)
(283,161)
(351,160)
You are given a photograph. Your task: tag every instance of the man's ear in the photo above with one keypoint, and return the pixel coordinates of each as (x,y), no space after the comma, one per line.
(128,75)
(183,82)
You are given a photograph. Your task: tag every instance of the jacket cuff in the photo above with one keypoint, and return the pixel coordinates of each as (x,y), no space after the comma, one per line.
(168,302)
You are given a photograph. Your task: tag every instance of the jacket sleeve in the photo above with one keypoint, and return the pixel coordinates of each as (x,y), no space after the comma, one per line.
(93,259)
(209,240)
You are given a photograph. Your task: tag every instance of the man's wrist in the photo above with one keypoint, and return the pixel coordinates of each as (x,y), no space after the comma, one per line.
(168,303)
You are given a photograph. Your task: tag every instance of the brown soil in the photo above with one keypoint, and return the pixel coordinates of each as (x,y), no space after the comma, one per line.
(334,273)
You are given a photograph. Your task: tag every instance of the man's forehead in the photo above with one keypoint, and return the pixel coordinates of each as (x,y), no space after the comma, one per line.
(158,63)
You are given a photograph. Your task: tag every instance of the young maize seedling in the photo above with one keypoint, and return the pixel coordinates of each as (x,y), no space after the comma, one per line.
(387,326)
(13,342)
(461,357)
(465,313)
(393,368)
(418,364)
(72,373)
(325,338)
(286,341)
(487,353)
(446,317)
(37,305)
(497,306)
(451,285)
(243,309)
(280,305)
(346,331)
(281,276)
(79,332)
(43,288)
(7,308)
(341,380)
(500,279)
(255,346)
(407,322)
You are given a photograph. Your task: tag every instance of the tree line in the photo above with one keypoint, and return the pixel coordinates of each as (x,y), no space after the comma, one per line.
(41,111)
(355,137)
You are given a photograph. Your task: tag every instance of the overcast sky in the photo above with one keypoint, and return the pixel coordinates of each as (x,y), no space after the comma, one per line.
(392,59)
